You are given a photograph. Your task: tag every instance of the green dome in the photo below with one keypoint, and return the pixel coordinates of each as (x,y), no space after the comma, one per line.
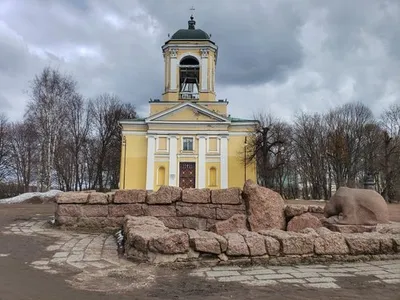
(191,33)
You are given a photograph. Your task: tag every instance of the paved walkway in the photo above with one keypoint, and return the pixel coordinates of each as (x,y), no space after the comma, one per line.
(92,253)
(315,276)
(76,250)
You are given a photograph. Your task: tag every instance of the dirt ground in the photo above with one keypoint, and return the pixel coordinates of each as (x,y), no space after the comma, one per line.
(18,281)
(394,208)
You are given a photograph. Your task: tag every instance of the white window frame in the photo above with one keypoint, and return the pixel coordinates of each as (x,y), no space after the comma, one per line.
(208,144)
(193,143)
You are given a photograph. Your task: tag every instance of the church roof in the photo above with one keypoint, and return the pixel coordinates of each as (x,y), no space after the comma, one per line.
(191,33)
(238,120)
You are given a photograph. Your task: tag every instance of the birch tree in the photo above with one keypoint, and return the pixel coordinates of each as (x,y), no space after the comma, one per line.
(49,94)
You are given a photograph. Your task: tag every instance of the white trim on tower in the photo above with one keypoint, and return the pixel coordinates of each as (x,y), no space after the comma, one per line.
(151,147)
(224,162)
(172,160)
(201,181)
(204,70)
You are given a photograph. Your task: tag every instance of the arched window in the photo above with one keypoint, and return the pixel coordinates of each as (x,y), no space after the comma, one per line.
(213,176)
(161,176)
(189,73)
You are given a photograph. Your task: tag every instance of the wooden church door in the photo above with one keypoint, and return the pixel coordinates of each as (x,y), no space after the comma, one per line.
(187,175)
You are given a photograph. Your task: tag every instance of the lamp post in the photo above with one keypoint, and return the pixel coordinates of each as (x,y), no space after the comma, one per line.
(245,158)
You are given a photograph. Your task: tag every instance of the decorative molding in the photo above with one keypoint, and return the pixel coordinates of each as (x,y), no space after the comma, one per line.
(161,159)
(213,159)
(218,144)
(190,46)
(158,144)
(189,104)
(204,52)
(204,70)
(173,52)
(218,134)
(245,123)
(173,66)
(126,132)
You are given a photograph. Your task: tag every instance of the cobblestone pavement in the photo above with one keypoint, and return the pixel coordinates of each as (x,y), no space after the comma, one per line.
(312,276)
(70,249)
(97,252)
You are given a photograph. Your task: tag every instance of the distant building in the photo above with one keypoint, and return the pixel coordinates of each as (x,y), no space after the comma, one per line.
(189,140)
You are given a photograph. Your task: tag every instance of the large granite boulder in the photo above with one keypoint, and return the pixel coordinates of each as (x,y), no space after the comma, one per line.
(207,242)
(72,198)
(165,195)
(226,196)
(265,208)
(233,224)
(303,221)
(192,195)
(130,196)
(357,207)
(148,234)
(330,243)
(236,245)
(292,243)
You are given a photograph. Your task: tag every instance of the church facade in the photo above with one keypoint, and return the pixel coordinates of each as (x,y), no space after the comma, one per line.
(189,139)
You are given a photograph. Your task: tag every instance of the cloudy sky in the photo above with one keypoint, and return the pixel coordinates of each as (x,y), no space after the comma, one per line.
(278,56)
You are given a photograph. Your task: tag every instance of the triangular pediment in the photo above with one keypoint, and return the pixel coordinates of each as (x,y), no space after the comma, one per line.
(187,112)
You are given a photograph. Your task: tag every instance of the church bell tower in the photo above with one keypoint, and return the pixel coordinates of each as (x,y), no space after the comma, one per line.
(190,59)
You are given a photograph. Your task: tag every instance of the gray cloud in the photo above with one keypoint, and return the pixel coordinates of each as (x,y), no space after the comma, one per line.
(277,56)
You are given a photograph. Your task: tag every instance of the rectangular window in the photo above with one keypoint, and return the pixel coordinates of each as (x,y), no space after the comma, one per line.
(187,144)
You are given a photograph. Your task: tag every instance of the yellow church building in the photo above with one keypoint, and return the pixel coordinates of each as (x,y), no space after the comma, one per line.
(189,140)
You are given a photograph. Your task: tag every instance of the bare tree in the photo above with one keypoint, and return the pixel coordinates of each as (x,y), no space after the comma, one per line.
(310,143)
(69,155)
(390,152)
(266,147)
(346,138)
(50,93)
(106,110)
(4,147)
(23,153)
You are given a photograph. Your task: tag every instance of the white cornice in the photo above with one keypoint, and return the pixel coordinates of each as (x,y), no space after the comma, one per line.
(204,110)
(244,123)
(200,103)
(187,132)
(190,46)
(131,122)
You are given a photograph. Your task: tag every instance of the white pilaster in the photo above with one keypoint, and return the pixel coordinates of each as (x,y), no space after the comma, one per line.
(224,162)
(172,160)
(151,147)
(173,67)
(201,181)
(204,70)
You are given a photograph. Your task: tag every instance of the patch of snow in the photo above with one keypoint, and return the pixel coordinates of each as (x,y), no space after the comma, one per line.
(27,196)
